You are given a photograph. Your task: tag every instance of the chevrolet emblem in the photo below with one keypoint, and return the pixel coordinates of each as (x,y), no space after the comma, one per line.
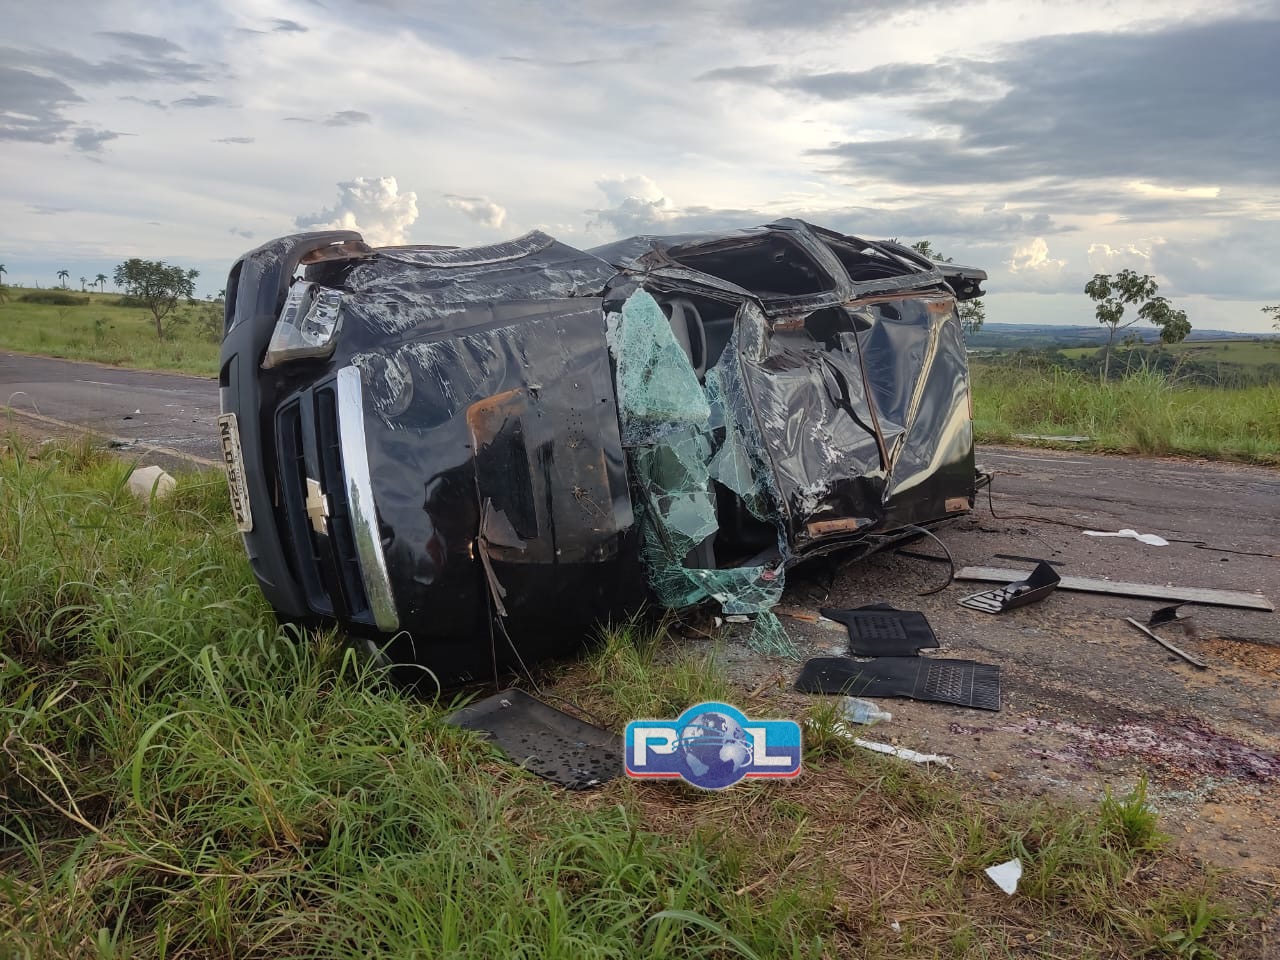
(317,507)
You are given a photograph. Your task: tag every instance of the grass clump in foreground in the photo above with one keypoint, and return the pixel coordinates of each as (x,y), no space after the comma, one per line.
(1143,413)
(93,326)
(181,778)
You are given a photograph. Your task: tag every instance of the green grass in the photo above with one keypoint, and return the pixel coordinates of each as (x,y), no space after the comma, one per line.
(1143,413)
(100,331)
(636,674)
(181,778)
(1244,353)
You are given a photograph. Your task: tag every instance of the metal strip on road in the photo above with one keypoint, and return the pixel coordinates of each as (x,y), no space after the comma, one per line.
(1122,588)
(983,454)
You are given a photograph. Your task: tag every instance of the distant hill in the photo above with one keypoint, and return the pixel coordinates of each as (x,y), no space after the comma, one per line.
(1011,336)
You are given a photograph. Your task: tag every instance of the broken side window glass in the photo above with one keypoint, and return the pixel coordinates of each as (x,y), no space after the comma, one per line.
(678,438)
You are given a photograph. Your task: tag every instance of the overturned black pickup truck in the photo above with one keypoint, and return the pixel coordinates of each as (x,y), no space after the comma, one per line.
(472,456)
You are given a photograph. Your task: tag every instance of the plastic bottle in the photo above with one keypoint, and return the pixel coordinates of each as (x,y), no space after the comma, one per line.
(857,710)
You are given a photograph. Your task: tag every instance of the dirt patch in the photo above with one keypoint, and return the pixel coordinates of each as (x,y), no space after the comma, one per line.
(1256,659)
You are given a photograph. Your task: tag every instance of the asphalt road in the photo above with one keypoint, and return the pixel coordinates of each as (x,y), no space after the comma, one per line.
(170,411)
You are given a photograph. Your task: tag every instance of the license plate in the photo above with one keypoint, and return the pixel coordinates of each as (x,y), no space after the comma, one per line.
(229,431)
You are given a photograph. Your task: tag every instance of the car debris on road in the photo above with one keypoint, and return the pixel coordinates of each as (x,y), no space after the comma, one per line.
(1041,582)
(880,630)
(965,683)
(1177,651)
(1150,539)
(1144,591)
(902,753)
(543,740)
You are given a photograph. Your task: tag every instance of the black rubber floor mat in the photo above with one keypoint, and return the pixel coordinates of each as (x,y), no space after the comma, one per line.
(544,740)
(880,630)
(965,683)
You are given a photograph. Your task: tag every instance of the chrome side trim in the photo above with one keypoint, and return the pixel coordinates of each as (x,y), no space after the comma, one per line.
(364,519)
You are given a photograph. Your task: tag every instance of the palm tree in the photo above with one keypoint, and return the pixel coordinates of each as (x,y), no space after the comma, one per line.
(100,281)
(83,281)
(3,271)
(63,275)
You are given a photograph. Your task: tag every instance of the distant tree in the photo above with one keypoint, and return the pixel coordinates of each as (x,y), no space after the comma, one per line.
(925,249)
(100,281)
(63,275)
(158,285)
(973,313)
(1127,288)
(1272,312)
(3,271)
(83,282)
(1172,324)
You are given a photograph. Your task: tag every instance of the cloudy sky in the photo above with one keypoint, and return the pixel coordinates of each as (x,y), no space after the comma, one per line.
(1042,141)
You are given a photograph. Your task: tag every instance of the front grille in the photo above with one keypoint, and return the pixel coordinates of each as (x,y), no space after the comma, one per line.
(309,447)
(341,534)
(291,451)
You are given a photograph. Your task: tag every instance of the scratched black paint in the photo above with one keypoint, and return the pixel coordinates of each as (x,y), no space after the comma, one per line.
(488,380)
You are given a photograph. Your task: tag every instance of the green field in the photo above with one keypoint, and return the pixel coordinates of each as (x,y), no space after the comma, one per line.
(1245,353)
(182,778)
(1143,413)
(96,329)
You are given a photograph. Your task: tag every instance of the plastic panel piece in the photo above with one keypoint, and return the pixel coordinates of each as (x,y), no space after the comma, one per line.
(1041,582)
(544,740)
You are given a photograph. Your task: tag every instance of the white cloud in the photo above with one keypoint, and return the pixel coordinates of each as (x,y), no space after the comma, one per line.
(618,189)
(372,205)
(1104,258)
(558,111)
(1033,257)
(634,205)
(1032,269)
(480,209)
(1174,193)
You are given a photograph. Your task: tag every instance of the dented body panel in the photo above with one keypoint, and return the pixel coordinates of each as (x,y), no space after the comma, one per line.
(508,444)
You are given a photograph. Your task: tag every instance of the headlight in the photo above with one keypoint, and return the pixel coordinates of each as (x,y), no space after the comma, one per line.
(308,324)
